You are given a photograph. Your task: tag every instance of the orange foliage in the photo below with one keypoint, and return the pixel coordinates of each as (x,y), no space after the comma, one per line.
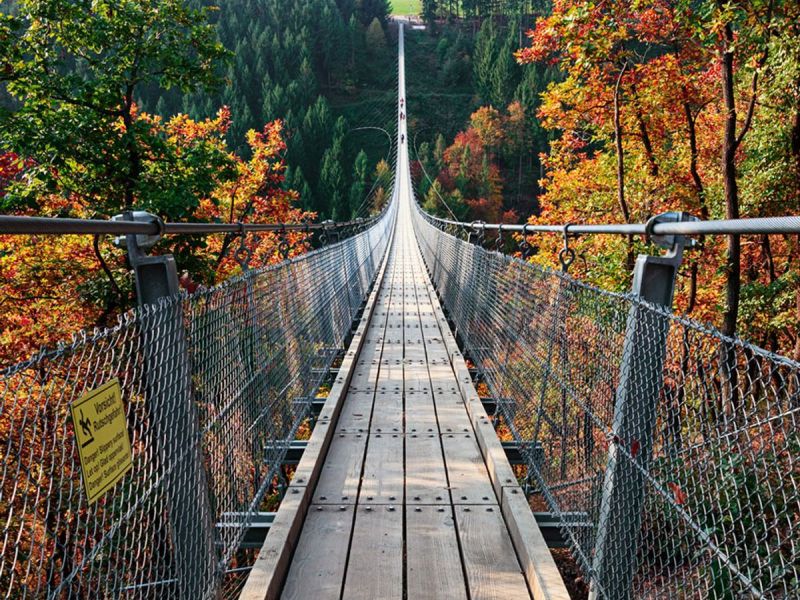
(665,74)
(55,285)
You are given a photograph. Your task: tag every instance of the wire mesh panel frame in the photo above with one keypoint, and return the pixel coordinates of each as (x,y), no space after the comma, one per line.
(720,477)
(215,386)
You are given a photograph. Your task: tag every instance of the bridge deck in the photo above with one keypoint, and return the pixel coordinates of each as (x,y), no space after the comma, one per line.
(404,490)
(404,499)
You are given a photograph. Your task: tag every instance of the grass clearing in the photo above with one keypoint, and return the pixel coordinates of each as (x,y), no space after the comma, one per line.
(405,7)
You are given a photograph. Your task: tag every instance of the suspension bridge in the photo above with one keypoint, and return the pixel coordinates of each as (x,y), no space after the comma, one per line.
(662,454)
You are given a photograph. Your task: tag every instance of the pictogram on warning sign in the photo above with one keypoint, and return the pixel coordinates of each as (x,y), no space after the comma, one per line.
(102,438)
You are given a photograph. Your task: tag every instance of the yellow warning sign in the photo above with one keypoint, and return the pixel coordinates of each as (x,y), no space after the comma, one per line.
(102,436)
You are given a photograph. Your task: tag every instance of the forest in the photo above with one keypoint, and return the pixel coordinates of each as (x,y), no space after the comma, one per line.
(285,111)
(242,112)
(629,109)
(519,111)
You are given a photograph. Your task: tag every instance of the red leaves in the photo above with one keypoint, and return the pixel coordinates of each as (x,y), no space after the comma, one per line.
(10,167)
(544,42)
(635,447)
(678,494)
(188,283)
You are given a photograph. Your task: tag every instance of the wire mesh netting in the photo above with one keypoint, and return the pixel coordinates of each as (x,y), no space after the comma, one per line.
(670,453)
(214,385)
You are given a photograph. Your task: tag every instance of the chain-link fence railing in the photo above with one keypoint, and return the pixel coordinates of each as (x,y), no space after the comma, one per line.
(670,453)
(214,386)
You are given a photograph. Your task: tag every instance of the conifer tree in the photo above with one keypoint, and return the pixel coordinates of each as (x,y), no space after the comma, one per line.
(376,39)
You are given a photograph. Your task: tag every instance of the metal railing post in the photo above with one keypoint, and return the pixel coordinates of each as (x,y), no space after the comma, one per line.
(173,416)
(631,444)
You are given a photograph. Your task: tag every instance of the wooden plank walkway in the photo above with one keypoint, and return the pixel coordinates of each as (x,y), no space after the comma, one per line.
(404,475)
(404,490)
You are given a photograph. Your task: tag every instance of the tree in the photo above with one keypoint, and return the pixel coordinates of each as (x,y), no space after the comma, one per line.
(376,39)
(332,178)
(383,182)
(429,8)
(469,169)
(358,189)
(654,94)
(56,279)
(488,124)
(483,60)
(357,43)
(373,9)
(77,81)
(506,73)
(739,33)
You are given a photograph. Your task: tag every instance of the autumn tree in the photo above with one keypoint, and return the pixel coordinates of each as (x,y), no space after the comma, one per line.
(49,279)
(654,114)
(76,84)
(77,144)
(739,35)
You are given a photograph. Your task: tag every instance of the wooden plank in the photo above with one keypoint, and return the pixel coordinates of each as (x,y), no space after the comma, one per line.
(440,371)
(382,482)
(435,345)
(500,471)
(415,354)
(493,571)
(544,579)
(318,565)
(453,418)
(375,568)
(416,379)
(434,563)
(366,372)
(466,471)
(356,413)
(447,393)
(341,473)
(391,367)
(387,414)
(426,477)
(308,469)
(275,554)
(420,414)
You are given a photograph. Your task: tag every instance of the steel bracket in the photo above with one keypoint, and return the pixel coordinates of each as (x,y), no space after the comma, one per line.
(654,276)
(156,276)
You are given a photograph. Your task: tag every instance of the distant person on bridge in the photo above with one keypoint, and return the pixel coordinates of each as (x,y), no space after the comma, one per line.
(402,116)
(402,138)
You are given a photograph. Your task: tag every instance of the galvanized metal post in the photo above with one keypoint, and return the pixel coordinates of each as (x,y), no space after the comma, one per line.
(174,420)
(630,449)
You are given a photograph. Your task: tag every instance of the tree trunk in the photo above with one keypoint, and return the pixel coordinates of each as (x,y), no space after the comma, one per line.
(646,142)
(134,160)
(767,249)
(728,373)
(623,203)
(733,257)
(693,153)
